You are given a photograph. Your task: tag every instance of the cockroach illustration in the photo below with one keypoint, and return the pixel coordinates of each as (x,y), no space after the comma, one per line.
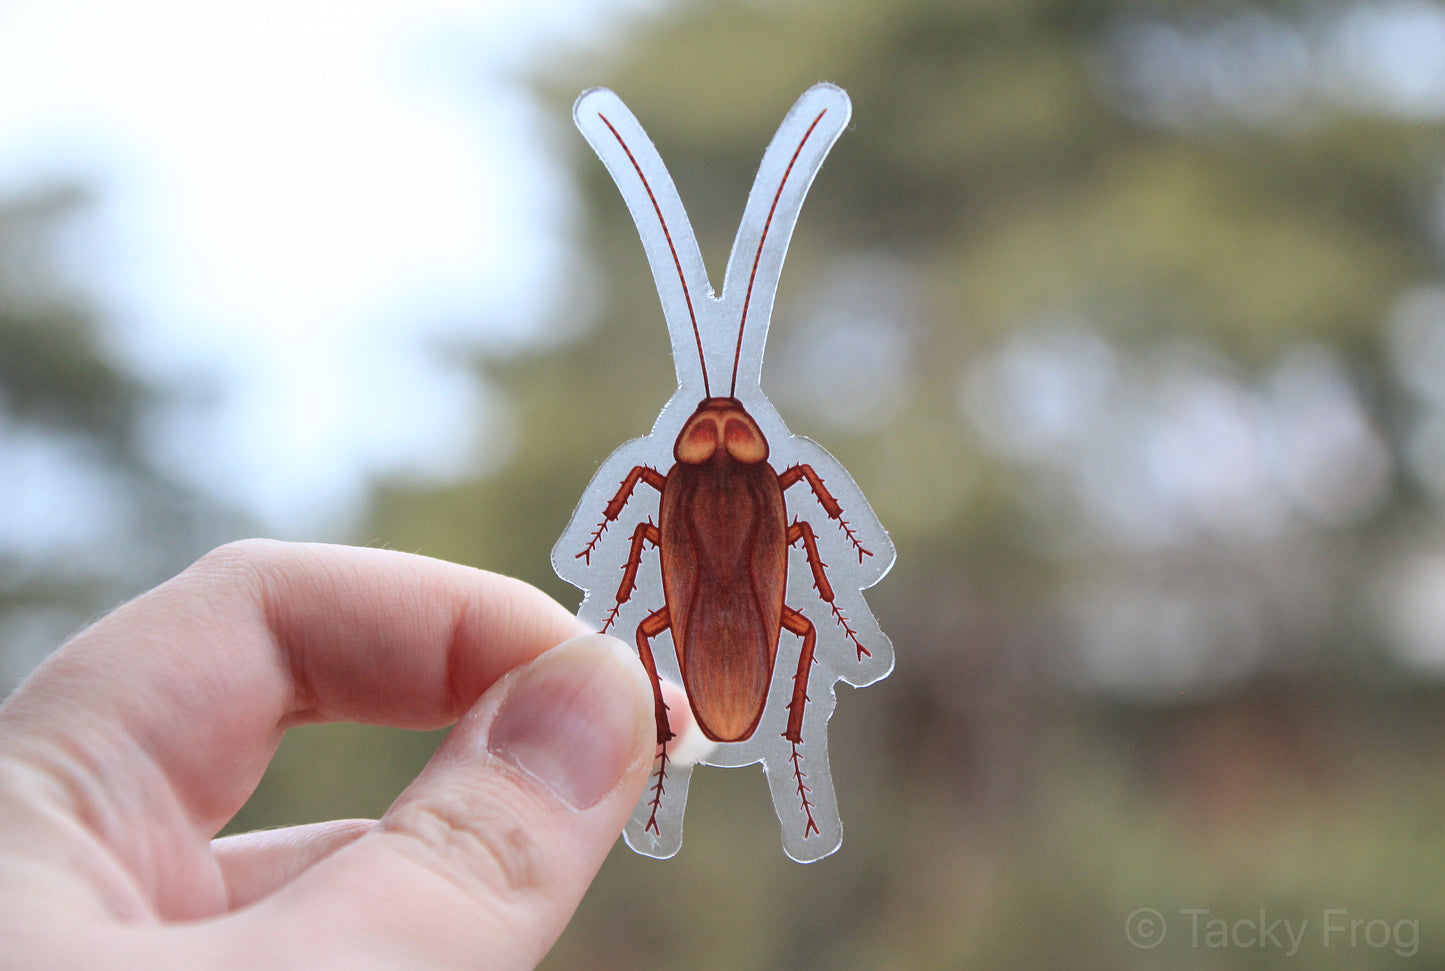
(730,533)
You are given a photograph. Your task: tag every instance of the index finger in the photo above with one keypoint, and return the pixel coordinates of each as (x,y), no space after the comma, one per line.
(200,676)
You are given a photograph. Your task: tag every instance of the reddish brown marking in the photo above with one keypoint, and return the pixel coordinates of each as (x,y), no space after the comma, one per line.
(852,635)
(796,623)
(801,531)
(644,533)
(640,473)
(652,625)
(667,234)
(657,793)
(807,806)
(825,498)
(758,257)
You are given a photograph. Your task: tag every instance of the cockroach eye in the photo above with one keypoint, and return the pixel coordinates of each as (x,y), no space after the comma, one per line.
(745,557)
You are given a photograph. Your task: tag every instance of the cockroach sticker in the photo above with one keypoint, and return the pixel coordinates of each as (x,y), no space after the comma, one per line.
(733,552)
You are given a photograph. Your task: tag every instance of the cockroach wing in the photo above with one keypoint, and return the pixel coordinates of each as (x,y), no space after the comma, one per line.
(717,344)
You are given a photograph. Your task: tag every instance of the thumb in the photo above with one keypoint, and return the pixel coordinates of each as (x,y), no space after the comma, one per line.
(484,858)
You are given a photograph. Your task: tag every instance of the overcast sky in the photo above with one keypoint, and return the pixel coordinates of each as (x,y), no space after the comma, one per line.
(294,204)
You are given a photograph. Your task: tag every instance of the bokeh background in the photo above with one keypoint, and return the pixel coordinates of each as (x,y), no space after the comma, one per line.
(1129,317)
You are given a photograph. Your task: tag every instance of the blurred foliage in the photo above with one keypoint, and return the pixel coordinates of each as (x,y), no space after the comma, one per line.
(997,179)
(72,426)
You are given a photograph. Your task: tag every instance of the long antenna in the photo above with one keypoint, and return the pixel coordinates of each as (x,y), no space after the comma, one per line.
(697,335)
(757,258)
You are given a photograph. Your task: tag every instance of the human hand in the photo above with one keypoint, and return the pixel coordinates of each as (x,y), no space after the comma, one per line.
(125,753)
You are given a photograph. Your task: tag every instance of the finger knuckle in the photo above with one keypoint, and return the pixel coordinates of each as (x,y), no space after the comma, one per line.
(482,847)
(241,553)
(244,563)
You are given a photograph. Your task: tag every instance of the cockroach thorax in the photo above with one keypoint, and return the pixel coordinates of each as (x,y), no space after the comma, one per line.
(725,423)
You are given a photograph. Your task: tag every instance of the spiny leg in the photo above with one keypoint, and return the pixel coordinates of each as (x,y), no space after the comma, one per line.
(644,533)
(802,532)
(639,473)
(803,627)
(652,625)
(825,498)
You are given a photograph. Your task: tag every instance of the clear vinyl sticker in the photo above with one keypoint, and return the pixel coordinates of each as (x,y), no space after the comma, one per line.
(733,552)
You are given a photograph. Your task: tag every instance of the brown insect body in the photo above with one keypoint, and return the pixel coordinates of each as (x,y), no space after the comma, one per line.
(723,525)
(724,536)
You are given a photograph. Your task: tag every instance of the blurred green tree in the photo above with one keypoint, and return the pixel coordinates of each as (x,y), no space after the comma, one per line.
(1112,309)
(88,518)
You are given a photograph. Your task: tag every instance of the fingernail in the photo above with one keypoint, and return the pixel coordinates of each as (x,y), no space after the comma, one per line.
(576,719)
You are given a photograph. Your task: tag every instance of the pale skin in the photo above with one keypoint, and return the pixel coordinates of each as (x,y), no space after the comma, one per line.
(135,743)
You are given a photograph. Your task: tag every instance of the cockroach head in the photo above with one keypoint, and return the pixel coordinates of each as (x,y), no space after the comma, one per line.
(721,423)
